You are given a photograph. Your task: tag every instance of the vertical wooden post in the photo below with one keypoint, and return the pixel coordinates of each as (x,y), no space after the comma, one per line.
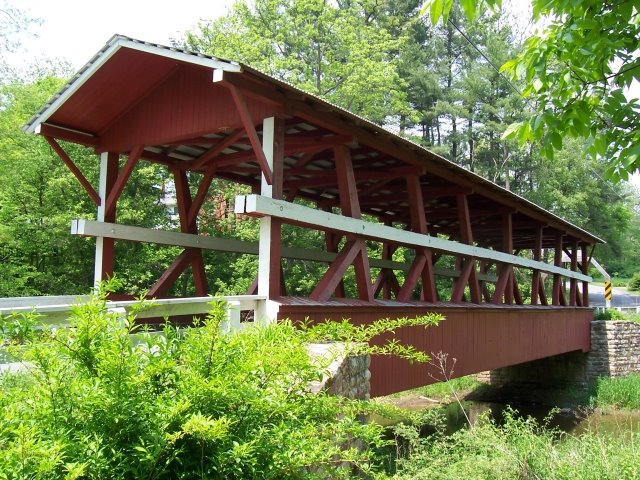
(269,250)
(507,246)
(573,283)
(536,278)
(557,281)
(185,204)
(585,270)
(422,266)
(104,255)
(468,272)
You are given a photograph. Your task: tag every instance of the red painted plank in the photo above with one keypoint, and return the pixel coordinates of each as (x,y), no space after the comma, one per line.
(478,337)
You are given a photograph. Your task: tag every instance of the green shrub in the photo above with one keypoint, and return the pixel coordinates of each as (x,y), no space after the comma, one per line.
(634,283)
(610,314)
(620,392)
(95,404)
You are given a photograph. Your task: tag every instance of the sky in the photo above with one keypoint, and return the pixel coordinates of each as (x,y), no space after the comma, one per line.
(74,30)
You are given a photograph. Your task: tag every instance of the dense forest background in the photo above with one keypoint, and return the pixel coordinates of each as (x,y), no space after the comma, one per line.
(437,85)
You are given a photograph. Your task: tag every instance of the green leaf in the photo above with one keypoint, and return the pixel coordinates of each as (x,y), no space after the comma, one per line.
(469,8)
(556,140)
(511,131)
(436,10)
(538,85)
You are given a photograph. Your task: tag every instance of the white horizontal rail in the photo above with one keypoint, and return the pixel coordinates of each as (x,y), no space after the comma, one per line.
(257,205)
(92,228)
(167,307)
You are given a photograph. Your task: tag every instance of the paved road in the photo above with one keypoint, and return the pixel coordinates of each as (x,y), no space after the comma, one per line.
(621,297)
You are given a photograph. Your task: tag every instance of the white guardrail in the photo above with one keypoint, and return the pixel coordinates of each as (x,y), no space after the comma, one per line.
(242,311)
(55,310)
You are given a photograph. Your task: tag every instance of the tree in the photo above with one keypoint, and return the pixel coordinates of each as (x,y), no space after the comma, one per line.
(39,197)
(338,52)
(576,70)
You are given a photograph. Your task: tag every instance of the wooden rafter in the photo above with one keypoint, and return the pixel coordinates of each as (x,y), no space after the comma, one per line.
(217,149)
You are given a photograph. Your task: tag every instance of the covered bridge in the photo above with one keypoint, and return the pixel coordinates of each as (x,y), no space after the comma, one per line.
(314,165)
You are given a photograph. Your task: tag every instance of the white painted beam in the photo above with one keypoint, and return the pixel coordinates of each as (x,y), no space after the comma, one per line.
(265,250)
(91,228)
(260,206)
(102,193)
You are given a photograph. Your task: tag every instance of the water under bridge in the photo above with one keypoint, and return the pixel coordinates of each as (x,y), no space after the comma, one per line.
(404,231)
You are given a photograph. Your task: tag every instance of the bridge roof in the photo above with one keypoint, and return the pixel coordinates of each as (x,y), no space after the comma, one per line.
(178,106)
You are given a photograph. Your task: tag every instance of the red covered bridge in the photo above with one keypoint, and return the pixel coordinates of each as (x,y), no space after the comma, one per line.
(316,166)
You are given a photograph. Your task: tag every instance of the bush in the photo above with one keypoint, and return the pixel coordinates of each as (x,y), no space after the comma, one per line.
(187,404)
(609,314)
(634,283)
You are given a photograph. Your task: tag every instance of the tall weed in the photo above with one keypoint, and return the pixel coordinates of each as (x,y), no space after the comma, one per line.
(521,449)
(617,392)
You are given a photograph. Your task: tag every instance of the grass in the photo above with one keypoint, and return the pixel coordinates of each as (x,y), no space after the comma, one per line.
(445,389)
(617,392)
(521,449)
(618,282)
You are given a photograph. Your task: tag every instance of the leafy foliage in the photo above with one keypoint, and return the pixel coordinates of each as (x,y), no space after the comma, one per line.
(39,197)
(634,282)
(610,314)
(106,399)
(576,68)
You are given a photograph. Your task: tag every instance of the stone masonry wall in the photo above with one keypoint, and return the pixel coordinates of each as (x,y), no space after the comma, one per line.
(346,376)
(615,351)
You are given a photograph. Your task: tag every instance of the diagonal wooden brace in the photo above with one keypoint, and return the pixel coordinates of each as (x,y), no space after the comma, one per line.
(121,181)
(332,277)
(74,169)
(247,122)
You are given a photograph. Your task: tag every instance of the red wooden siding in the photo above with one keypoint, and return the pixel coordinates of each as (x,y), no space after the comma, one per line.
(111,91)
(478,337)
(187,104)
